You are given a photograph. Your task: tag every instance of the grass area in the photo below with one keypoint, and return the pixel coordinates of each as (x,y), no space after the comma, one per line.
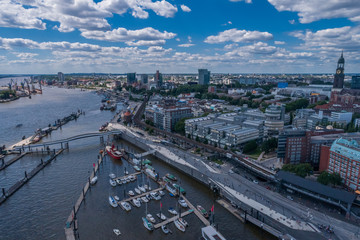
(255,154)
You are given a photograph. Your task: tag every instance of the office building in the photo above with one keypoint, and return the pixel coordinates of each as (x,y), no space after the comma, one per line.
(204,76)
(61,77)
(158,78)
(131,78)
(355,82)
(144,78)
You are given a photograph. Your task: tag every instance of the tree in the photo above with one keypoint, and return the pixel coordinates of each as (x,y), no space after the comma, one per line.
(197,139)
(301,170)
(225,148)
(250,146)
(180,126)
(298,104)
(323,178)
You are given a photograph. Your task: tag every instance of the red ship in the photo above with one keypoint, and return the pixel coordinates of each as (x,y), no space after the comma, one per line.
(112,152)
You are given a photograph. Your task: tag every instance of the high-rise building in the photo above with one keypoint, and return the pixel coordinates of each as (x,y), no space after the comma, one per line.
(61,77)
(339,75)
(345,160)
(355,82)
(131,78)
(144,78)
(158,78)
(204,76)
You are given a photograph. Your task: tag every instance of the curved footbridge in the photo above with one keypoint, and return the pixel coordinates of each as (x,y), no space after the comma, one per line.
(64,143)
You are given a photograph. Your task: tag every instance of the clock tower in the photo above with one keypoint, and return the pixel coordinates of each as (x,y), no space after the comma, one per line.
(339,75)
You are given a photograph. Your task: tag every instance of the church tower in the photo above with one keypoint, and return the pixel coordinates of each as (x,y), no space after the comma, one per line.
(339,75)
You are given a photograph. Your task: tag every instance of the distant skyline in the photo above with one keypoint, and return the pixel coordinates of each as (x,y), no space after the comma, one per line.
(224,36)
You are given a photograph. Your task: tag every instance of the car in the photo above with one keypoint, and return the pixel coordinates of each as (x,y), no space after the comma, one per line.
(254,181)
(268,188)
(289,197)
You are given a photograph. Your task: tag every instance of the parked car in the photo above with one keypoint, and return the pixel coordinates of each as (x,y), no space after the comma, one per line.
(289,197)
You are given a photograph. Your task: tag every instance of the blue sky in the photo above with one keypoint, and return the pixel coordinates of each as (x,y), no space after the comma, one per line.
(225,36)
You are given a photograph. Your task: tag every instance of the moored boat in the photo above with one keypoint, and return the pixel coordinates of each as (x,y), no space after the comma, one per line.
(137,168)
(183,203)
(116,198)
(94,180)
(112,202)
(137,191)
(112,176)
(117,231)
(177,187)
(179,225)
(171,190)
(126,206)
(155,195)
(119,181)
(147,224)
(183,222)
(150,218)
(142,188)
(161,216)
(112,182)
(171,177)
(112,152)
(131,193)
(202,211)
(172,211)
(161,193)
(165,229)
(136,202)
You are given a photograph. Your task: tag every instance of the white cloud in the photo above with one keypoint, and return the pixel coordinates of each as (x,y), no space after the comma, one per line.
(189,39)
(279,42)
(247,1)
(146,43)
(292,21)
(186,45)
(177,39)
(234,35)
(185,8)
(124,35)
(310,11)
(25,55)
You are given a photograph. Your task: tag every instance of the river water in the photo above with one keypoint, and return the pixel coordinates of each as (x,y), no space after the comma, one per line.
(40,208)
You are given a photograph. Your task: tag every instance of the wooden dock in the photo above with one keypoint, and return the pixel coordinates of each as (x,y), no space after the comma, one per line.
(169,220)
(71,223)
(198,214)
(140,195)
(28,176)
(137,173)
(231,209)
(8,163)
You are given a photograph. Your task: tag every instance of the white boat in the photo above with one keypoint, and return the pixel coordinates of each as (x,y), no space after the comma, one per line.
(111,175)
(183,203)
(150,218)
(161,216)
(132,178)
(183,222)
(127,179)
(165,229)
(116,198)
(147,224)
(137,191)
(146,187)
(126,206)
(172,211)
(123,180)
(141,188)
(112,182)
(155,195)
(144,199)
(119,181)
(148,197)
(94,180)
(171,189)
(131,193)
(126,172)
(117,231)
(161,193)
(137,168)
(112,202)
(136,203)
(179,225)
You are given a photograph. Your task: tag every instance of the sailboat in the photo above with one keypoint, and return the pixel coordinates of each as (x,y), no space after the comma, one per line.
(112,202)
(179,225)
(160,214)
(148,225)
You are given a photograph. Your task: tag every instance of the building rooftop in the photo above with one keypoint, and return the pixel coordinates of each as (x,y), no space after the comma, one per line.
(347,148)
(316,187)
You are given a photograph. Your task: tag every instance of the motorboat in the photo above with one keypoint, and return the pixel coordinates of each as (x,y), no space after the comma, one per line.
(171,190)
(112,202)
(146,187)
(116,198)
(183,203)
(172,211)
(136,202)
(178,188)
(141,188)
(150,167)
(202,211)
(127,179)
(137,168)
(126,206)
(132,178)
(93,180)
(137,191)
(171,177)
(183,222)
(155,195)
(179,226)
(147,162)
(112,182)
(148,197)
(152,174)
(112,152)
(123,180)
(150,218)
(117,232)
(144,199)
(148,225)
(112,176)
(118,181)
(126,172)
(131,193)
(161,216)
(165,229)
(161,193)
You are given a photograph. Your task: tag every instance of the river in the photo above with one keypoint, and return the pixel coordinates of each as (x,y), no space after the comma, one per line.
(40,208)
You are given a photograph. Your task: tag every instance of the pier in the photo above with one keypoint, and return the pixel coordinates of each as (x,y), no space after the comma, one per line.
(197,213)
(71,223)
(28,176)
(137,173)
(140,195)
(144,154)
(231,209)
(8,163)
(169,220)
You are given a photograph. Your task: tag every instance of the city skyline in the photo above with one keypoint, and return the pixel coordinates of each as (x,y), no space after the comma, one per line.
(231,36)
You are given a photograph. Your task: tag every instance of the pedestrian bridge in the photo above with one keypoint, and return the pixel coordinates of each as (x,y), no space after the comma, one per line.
(67,140)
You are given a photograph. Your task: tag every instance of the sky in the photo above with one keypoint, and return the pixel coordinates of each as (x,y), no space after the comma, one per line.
(178,36)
